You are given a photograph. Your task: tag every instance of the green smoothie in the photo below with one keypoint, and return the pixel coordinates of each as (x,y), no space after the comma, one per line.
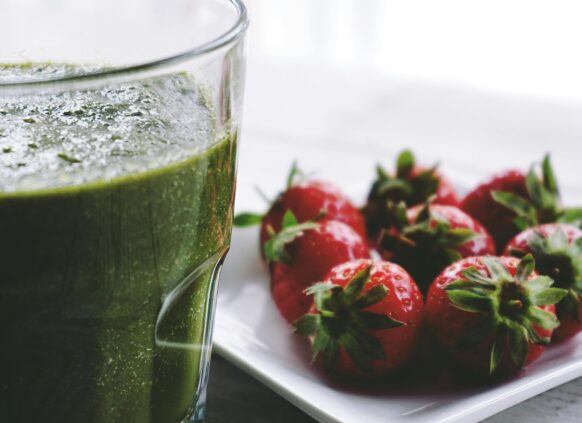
(115,215)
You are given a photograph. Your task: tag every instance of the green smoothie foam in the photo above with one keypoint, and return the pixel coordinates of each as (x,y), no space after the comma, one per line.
(115,212)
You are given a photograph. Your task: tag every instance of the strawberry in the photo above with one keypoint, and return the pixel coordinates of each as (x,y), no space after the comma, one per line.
(411,184)
(492,315)
(307,199)
(557,249)
(366,320)
(480,204)
(302,254)
(426,239)
(522,201)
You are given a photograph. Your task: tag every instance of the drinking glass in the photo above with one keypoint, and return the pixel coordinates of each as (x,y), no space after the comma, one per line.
(119,123)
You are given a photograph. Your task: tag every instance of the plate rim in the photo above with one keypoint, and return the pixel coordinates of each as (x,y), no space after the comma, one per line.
(475,413)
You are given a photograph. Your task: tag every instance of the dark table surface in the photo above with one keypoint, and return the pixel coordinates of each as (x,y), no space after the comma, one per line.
(235,397)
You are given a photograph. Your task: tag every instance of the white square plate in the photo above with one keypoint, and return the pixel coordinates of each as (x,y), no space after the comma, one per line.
(249,331)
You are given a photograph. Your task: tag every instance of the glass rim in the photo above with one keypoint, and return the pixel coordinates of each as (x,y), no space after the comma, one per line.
(231,35)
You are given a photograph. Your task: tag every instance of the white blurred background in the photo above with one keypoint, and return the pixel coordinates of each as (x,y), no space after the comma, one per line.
(529,47)
(479,86)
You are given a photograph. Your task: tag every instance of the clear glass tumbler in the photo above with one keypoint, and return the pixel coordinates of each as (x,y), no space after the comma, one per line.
(118,129)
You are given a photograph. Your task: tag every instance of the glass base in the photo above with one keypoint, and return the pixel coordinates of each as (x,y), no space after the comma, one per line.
(197,415)
(199,404)
(199,407)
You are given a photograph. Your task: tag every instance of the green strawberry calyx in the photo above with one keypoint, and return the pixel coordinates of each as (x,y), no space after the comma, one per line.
(543,205)
(429,232)
(426,245)
(247,219)
(413,188)
(275,248)
(511,305)
(405,185)
(342,322)
(561,260)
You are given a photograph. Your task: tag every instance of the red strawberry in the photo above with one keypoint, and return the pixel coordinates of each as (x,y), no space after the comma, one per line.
(557,249)
(492,315)
(302,254)
(426,239)
(366,320)
(512,202)
(411,184)
(480,204)
(307,199)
